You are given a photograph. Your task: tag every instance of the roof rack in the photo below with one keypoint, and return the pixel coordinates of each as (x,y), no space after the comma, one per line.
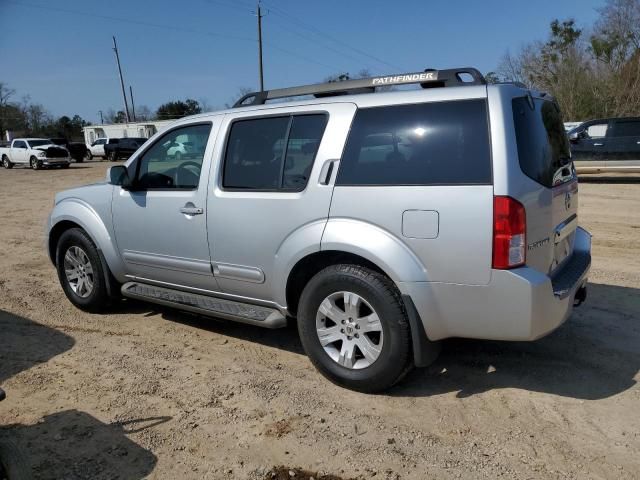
(428,79)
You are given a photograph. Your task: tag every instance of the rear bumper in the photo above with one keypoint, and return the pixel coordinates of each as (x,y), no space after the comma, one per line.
(519,304)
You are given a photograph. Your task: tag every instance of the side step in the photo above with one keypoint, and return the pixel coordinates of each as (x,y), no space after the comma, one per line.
(206,305)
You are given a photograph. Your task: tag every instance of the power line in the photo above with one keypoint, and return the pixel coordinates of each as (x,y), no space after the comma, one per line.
(169,27)
(318,32)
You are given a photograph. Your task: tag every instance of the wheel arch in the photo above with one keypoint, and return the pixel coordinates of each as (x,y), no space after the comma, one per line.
(74,213)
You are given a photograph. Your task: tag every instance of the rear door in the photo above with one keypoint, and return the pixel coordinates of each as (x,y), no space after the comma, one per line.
(551,200)
(271,187)
(422,173)
(624,135)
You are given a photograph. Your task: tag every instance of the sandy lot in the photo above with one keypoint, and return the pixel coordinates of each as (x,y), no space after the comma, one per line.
(151,392)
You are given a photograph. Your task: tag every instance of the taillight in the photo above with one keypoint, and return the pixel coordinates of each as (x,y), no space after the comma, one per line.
(509,233)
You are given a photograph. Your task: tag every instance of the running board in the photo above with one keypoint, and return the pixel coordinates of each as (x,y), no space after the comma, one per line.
(206,305)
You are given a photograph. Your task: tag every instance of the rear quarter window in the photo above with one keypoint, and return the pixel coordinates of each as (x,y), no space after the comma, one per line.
(444,143)
(543,147)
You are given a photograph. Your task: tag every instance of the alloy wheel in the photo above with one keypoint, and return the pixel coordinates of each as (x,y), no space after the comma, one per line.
(78,271)
(349,330)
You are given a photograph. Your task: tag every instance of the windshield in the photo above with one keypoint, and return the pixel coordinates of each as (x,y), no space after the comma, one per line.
(39,143)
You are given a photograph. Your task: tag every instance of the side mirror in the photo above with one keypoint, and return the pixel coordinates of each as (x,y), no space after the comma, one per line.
(119,175)
(574,137)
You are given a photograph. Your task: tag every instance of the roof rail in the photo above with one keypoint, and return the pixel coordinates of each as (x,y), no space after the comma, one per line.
(428,79)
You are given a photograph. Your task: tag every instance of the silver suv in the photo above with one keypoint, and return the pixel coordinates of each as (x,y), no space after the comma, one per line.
(382,222)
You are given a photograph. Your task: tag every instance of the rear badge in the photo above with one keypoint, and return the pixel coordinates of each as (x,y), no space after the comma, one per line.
(537,244)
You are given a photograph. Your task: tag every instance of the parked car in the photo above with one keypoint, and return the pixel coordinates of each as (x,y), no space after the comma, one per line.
(77,150)
(97,148)
(34,152)
(124,148)
(381,222)
(606,145)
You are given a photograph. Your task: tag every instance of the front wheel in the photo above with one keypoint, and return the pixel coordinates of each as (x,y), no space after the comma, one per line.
(80,271)
(354,328)
(6,163)
(113,156)
(35,164)
(88,155)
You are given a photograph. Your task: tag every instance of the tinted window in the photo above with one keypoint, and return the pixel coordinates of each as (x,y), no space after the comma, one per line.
(626,128)
(166,165)
(275,153)
(19,144)
(423,144)
(543,146)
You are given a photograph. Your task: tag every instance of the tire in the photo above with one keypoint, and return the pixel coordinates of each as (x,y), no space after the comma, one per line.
(177,156)
(377,296)
(113,156)
(66,165)
(35,164)
(91,296)
(88,155)
(6,163)
(13,465)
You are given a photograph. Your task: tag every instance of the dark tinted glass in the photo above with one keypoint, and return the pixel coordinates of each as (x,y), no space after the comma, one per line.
(626,128)
(304,140)
(256,152)
(543,146)
(423,144)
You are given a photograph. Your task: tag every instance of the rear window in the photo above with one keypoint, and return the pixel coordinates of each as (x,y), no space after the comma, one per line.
(543,146)
(440,143)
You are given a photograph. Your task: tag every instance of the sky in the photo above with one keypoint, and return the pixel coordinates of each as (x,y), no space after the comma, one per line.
(59,52)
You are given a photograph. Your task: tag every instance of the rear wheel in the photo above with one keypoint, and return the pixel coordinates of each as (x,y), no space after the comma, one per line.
(88,155)
(66,165)
(113,156)
(354,328)
(80,271)
(6,163)
(35,163)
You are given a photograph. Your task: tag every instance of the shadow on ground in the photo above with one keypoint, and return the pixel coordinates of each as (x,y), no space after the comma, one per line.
(25,343)
(596,354)
(75,445)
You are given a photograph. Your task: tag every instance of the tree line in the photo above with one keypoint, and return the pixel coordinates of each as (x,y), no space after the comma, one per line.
(593,72)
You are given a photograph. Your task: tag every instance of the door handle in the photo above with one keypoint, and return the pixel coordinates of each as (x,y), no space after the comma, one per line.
(598,144)
(327,171)
(192,210)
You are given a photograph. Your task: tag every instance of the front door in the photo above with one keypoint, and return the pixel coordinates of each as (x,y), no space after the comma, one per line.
(160,225)
(591,149)
(271,187)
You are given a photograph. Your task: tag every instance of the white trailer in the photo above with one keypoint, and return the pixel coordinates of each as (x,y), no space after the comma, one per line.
(124,130)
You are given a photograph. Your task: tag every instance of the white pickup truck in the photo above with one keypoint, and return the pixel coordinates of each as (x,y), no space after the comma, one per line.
(37,153)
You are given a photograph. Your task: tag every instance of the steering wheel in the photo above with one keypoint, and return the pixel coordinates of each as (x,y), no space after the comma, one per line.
(183,172)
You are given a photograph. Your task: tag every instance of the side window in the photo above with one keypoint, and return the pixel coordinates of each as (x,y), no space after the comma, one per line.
(275,153)
(597,130)
(419,144)
(168,165)
(20,144)
(626,128)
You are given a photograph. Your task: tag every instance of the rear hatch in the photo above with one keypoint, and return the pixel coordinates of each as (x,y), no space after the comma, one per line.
(552,203)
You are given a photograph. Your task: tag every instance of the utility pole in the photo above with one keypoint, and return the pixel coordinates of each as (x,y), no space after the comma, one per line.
(133,106)
(260,46)
(101,119)
(124,95)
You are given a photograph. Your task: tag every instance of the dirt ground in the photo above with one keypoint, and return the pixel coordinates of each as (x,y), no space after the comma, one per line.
(147,392)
